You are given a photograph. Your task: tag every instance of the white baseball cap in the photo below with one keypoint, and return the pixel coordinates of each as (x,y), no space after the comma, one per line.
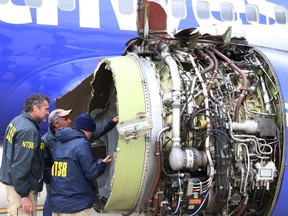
(57,113)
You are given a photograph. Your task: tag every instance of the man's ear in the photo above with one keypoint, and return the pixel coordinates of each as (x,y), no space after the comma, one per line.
(35,108)
(56,124)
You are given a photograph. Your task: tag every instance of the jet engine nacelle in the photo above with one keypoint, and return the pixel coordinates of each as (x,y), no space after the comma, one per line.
(202,127)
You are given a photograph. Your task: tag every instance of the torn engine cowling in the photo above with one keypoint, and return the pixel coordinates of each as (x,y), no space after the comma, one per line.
(200,129)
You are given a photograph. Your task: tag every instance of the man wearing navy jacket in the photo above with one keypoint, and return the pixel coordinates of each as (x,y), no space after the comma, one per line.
(74,168)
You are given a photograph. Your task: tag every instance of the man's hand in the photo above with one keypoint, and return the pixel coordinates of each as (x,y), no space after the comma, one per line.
(107,160)
(27,204)
(116,119)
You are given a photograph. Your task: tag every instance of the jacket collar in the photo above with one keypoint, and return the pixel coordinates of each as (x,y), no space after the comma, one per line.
(26,115)
(50,135)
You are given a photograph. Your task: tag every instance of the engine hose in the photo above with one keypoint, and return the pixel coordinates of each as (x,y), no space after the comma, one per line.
(245,81)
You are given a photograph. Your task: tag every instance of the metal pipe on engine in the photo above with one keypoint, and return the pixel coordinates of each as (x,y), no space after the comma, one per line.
(206,89)
(206,102)
(248,165)
(248,139)
(176,158)
(158,162)
(265,96)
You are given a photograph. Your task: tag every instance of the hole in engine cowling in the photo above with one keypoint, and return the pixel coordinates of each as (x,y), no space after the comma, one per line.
(102,107)
(108,94)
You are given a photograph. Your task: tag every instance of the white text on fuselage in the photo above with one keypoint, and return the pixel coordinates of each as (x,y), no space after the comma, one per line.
(91,13)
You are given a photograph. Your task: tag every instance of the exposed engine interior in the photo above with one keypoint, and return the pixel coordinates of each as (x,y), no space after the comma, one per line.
(202,120)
